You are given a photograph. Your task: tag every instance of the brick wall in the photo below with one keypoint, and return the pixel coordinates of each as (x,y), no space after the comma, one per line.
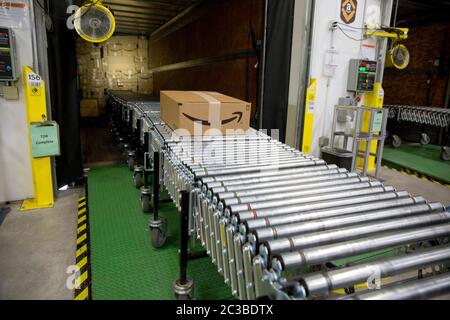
(410,86)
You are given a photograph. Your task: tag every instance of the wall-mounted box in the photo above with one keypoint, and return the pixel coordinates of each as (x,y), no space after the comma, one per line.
(362,75)
(8,70)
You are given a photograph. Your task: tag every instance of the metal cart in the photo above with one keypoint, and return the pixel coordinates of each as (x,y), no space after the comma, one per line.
(360,137)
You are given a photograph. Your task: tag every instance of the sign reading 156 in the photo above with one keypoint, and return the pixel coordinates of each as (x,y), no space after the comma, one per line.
(34,77)
(35,83)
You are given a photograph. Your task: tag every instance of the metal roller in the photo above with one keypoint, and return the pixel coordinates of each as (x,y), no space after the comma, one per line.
(269,177)
(232,162)
(283,180)
(299,242)
(278,211)
(261,175)
(290,229)
(285,186)
(248,165)
(321,198)
(301,192)
(412,290)
(325,253)
(205,154)
(251,225)
(191,160)
(204,173)
(323,282)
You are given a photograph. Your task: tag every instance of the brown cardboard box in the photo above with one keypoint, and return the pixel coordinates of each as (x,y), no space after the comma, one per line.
(89,108)
(197,112)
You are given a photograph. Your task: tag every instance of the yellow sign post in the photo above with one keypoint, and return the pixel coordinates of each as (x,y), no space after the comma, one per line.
(41,167)
(309,116)
(373,99)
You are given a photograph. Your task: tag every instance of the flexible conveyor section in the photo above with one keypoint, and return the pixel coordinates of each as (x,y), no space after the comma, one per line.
(275,220)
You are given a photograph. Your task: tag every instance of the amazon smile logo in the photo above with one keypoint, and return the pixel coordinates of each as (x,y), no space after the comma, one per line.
(237,117)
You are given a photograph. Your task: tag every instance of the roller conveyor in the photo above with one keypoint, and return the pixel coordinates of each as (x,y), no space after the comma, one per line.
(438,117)
(270,216)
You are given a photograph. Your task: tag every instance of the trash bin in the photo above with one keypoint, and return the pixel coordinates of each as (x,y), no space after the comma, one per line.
(341,158)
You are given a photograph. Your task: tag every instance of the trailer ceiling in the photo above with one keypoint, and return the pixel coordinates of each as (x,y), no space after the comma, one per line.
(146,16)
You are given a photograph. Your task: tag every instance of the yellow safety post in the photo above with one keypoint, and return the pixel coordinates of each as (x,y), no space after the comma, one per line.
(309,116)
(373,99)
(41,167)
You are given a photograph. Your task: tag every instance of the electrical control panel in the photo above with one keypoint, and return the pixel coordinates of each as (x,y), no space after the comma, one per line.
(7,55)
(362,75)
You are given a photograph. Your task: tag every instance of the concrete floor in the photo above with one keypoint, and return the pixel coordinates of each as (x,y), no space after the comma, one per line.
(36,247)
(433,192)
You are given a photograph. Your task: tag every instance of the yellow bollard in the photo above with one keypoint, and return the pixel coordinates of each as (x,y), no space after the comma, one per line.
(41,167)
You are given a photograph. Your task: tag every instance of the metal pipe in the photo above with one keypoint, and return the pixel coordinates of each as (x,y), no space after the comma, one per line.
(285,185)
(261,175)
(247,162)
(284,195)
(291,229)
(278,211)
(192,162)
(323,282)
(296,164)
(309,240)
(251,225)
(289,180)
(301,200)
(325,253)
(249,165)
(271,176)
(411,290)
(215,150)
(189,159)
(218,151)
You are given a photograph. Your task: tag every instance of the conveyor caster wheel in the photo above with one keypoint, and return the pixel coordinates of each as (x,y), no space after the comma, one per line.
(424,139)
(445,154)
(158,229)
(184,291)
(396,141)
(131,156)
(138,176)
(146,202)
(146,199)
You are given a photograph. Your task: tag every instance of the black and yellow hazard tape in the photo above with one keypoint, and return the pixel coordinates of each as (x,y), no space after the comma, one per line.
(82,254)
(419,175)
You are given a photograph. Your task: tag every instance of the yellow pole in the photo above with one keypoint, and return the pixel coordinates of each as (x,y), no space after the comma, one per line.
(373,99)
(309,116)
(41,167)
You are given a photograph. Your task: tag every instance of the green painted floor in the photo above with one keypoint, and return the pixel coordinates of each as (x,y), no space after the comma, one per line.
(423,159)
(124,264)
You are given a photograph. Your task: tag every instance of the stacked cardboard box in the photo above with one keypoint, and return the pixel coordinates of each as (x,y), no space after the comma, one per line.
(89,108)
(121,63)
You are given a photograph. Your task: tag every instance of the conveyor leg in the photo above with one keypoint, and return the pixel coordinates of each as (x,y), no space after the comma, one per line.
(158,226)
(183,286)
(138,176)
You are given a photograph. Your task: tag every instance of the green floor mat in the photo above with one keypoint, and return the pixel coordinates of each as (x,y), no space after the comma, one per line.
(124,264)
(423,159)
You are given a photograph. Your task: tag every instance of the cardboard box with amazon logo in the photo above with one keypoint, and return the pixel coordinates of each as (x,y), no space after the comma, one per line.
(196,112)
